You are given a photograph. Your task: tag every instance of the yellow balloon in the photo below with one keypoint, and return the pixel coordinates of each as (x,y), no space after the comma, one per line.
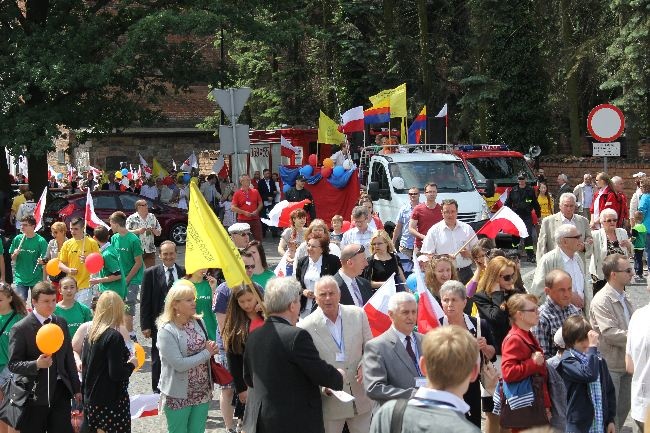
(139,355)
(49,338)
(118,174)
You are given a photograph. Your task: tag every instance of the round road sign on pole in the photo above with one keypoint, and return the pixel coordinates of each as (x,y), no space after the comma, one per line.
(606,123)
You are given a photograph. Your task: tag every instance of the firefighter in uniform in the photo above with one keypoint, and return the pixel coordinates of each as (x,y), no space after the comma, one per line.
(521,199)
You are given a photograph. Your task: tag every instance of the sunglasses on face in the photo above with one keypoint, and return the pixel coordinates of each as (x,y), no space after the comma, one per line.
(361,249)
(573,237)
(244,234)
(507,277)
(249,267)
(611,220)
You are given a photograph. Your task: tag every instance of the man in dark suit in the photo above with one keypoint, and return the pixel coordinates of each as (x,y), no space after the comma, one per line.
(155,284)
(390,361)
(283,370)
(563,186)
(355,290)
(266,188)
(49,408)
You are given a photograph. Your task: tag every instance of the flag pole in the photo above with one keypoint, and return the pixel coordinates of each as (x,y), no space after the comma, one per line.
(83,242)
(446,128)
(476,234)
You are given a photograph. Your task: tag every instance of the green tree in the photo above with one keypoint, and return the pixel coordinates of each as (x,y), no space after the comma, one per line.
(93,67)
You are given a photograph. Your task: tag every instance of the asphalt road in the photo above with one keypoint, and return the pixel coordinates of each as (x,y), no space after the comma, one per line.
(141,380)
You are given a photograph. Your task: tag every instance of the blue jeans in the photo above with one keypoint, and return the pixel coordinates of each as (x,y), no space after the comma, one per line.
(23,291)
(647,249)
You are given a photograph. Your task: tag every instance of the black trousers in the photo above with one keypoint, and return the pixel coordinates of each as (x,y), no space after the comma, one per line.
(155,361)
(52,419)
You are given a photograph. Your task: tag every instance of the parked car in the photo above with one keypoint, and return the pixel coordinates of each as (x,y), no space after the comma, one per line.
(173,221)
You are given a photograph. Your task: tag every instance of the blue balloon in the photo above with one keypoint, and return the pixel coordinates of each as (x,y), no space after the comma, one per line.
(125,172)
(186,178)
(412,282)
(338,171)
(307,170)
(286,188)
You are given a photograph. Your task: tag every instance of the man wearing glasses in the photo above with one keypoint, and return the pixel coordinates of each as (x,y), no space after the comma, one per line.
(240,233)
(355,290)
(565,256)
(402,237)
(610,314)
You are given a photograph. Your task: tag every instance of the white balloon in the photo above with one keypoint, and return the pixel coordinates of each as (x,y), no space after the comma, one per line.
(398,183)
(347,164)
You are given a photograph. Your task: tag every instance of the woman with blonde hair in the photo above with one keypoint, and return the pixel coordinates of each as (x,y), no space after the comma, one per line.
(440,269)
(319,228)
(384,262)
(185,351)
(107,366)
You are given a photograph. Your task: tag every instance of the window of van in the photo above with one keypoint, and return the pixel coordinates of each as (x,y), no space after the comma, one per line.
(450,176)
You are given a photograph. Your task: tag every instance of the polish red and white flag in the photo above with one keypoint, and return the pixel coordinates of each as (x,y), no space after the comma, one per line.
(92,220)
(279,215)
(39,209)
(504,220)
(352,120)
(377,307)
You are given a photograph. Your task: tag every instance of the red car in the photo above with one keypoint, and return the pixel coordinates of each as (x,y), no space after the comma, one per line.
(173,221)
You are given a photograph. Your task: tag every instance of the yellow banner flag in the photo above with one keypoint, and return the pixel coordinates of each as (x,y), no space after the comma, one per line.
(208,244)
(397,100)
(157,171)
(328,131)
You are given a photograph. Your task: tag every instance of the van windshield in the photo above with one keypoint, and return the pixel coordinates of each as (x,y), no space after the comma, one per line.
(503,170)
(450,176)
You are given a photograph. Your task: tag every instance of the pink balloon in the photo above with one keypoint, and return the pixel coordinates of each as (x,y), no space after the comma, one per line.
(94,262)
(313,160)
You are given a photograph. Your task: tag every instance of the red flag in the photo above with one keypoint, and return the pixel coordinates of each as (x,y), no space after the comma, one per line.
(377,307)
(92,220)
(39,209)
(504,220)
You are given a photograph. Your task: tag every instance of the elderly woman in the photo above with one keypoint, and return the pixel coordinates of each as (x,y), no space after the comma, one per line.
(309,269)
(522,355)
(454,301)
(185,351)
(440,269)
(384,261)
(145,225)
(319,228)
(607,240)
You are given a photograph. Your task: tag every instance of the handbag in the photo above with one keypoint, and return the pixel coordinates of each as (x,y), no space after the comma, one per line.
(525,417)
(17,391)
(220,374)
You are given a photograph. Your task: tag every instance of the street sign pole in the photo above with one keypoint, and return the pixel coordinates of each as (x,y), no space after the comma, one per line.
(235,171)
(606,123)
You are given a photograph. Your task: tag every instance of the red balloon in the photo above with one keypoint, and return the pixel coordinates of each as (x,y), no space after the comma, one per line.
(326,172)
(313,159)
(346,226)
(94,262)
(122,188)
(129,175)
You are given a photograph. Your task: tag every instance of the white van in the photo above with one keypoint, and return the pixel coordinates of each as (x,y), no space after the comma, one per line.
(390,177)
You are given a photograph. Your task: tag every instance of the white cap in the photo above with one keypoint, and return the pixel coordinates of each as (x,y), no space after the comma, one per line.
(639,174)
(239,228)
(423,258)
(558,340)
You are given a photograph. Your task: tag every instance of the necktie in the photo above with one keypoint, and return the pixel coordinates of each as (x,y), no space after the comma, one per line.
(170,278)
(409,350)
(46,321)
(357,293)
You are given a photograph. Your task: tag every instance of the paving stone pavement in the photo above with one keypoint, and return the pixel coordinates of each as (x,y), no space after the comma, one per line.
(141,380)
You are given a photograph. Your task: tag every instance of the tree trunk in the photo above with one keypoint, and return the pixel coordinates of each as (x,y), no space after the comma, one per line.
(37,174)
(572,81)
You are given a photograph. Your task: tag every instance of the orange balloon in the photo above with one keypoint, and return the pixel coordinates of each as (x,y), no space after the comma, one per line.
(52,267)
(139,355)
(49,338)
(328,162)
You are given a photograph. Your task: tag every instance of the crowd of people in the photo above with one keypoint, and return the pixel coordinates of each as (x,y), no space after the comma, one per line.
(569,351)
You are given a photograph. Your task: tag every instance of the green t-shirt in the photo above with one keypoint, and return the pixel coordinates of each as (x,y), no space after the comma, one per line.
(111,267)
(75,315)
(4,338)
(27,272)
(639,236)
(204,306)
(2,247)
(128,247)
(263,278)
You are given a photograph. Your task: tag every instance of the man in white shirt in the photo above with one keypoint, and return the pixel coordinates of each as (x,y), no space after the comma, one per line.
(343,154)
(637,363)
(149,189)
(361,232)
(584,193)
(453,237)
(164,193)
(564,256)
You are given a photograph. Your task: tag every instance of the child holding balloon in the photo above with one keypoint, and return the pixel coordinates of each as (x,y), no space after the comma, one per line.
(12,309)
(73,311)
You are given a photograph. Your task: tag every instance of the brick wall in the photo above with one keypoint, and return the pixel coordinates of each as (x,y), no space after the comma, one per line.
(575,170)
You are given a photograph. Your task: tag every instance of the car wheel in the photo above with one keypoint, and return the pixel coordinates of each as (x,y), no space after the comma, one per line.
(178,233)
